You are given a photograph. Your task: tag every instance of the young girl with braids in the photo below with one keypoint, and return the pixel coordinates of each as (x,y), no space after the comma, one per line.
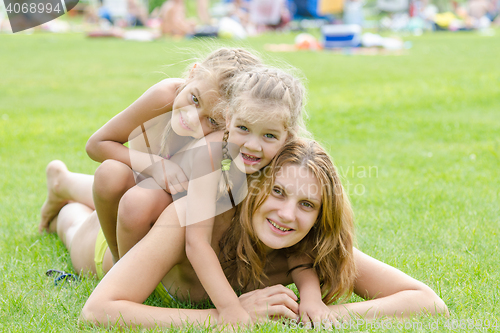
(264,113)
(194,103)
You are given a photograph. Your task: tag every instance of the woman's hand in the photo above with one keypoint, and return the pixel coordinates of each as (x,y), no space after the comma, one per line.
(316,312)
(236,315)
(271,302)
(170,177)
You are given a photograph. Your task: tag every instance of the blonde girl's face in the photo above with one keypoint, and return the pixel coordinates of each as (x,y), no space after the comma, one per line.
(291,210)
(192,111)
(259,141)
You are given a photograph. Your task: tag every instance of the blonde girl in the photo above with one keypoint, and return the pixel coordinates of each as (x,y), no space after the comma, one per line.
(264,112)
(194,103)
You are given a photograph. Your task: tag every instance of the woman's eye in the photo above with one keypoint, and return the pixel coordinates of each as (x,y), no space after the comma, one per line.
(212,122)
(277,191)
(307,204)
(270,136)
(243,128)
(195,99)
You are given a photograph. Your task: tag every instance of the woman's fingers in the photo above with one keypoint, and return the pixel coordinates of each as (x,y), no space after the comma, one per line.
(332,318)
(281,295)
(279,289)
(286,300)
(281,311)
(276,301)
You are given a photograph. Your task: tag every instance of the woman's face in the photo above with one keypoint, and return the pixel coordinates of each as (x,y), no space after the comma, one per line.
(192,110)
(291,210)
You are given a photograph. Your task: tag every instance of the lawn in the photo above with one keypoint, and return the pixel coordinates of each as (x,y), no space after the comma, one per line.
(416,139)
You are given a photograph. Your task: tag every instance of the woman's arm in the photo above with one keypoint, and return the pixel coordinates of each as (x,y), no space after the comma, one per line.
(389,291)
(119,296)
(107,142)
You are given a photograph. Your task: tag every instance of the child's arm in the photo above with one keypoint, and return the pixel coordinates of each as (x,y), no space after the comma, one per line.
(209,271)
(107,142)
(311,307)
(200,217)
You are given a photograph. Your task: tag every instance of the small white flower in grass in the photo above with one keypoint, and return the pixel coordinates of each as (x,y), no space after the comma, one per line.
(472,157)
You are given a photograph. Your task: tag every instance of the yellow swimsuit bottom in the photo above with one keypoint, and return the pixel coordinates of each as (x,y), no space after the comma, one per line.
(100,249)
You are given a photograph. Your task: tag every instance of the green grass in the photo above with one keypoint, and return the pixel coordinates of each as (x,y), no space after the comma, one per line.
(427,123)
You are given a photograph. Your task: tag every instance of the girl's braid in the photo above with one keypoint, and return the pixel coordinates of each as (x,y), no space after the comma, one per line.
(236,58)
(226,164)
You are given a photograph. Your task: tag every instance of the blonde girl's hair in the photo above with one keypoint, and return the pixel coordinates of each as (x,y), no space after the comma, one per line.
(278,95)
(264,93)
(220,67)
(329,243)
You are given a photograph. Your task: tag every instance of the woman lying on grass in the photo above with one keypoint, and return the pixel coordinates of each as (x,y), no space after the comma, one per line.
(299,192)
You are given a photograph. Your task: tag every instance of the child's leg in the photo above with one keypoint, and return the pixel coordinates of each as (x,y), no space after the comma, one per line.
(62,187)
(139,209)
(112,180)
(77,226)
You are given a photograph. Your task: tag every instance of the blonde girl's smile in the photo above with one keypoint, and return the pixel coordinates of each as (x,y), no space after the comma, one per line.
(183,122)
(259,141)
(250,159)
(291,210)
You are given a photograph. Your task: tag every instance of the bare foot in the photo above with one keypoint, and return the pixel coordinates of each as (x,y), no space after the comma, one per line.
(55,171)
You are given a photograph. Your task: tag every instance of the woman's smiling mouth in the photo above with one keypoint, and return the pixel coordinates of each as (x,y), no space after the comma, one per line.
(279,228)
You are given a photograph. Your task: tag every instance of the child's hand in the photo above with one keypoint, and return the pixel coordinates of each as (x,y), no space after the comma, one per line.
(316,312)
(235,315)
(170,176)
